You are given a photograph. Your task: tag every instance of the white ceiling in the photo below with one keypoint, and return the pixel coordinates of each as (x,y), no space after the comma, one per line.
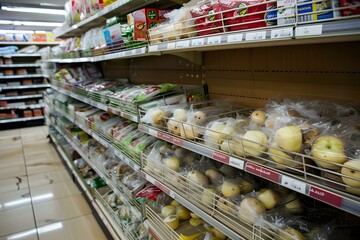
(33,17)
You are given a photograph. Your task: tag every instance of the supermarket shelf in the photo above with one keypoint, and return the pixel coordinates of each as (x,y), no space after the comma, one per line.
(307,187)
(186,203)
(32,106)
(118,8)
(96,104)
(21,119)
(23,76)
(137,52)
(22,55)
(20,65)
(30,43)
(25,86)
(21,97)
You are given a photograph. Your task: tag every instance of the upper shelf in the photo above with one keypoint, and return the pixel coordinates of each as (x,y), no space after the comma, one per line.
(21,55)
(119,7)
(30,43)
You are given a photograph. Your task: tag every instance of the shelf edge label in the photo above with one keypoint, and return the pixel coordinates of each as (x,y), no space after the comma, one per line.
(221,157)
(325,196)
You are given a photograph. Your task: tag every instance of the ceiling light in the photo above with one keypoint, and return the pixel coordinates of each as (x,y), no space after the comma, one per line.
(5,22)
(44,24)
(34,10)
(16,31)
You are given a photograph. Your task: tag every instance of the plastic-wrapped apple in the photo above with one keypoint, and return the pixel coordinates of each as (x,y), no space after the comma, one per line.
(189,131)
(180,115)
(173,126)
(214,176)
(182,212)
(193,215)
(158,117)
(226,206)
(237,147)
(351,169)
(269,198)
(199,118)
(225,146)
(230,188)
(198,177)
(195,221)
(228,171)
(168,210)
(164,149)
(293,204)
(175,203)
(214,137)
(173,163)
(218,234)
(329,150)
(290,234)
(172,221)
(246,187)
(355,191)
(309,133)
(255,146)
(258,117)
(250,209)
(208,196)
(281,157)
(289,138)
(185,155)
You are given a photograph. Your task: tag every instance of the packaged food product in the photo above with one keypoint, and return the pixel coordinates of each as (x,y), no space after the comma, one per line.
(209,22)
(350,10)
(315,10)
(144,19)
(243,13)
(286,12)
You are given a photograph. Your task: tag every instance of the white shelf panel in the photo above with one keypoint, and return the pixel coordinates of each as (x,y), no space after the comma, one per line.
(32,106)
(23,76)
(30,43)
(25,86)
(21,55)
(21,97)
(20,65)
(21,119)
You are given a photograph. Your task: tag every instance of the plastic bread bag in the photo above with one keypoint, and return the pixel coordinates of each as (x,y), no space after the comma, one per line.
(125,130)
(154,158)
(131,137)
(149,91)
(134,182)
(115,129)
(141,143)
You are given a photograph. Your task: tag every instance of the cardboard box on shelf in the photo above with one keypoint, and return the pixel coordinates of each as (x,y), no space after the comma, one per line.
(27,82)
(28,113)
(37,112)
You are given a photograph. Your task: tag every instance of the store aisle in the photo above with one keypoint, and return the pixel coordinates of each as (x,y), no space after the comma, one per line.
(38,199)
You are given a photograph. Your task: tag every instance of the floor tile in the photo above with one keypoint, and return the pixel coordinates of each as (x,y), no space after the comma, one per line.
(10,172)
(15,199)
(32,130)
(36,148)
(60,209)
(70,230)
(13,184)
(16,220)
(53,191)
(48,177)
(45,157)
(10,142)
(25,235)
(10,133)
(44,167)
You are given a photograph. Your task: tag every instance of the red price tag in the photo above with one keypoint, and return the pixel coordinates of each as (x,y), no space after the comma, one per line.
(270,175)
(178,142)
(165,137)
(325,196)
(221,157)
(253,168)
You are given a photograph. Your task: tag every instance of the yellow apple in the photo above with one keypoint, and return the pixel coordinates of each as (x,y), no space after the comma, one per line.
(183,213)
(250,209)
(246,187)
(281,157)
(158,117)
(290,234)
(195,222)
(255,145)
(214,176)
(180,115)
(355,191)
(175,203)
(193,215)
(269,198)
(208,197)
(173,126)
(173,163)
(228,171)
(218,234)
(289,138)
(328,150)
(199,118)
(198,177)
(189,131)
(213,137)
(258,117)
(172,221)
(351,169)
(230,188)
(293,204)
(168,210)
(226,206)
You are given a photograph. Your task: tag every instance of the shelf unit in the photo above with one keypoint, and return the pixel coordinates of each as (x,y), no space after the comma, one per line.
(28,87)
(303,60)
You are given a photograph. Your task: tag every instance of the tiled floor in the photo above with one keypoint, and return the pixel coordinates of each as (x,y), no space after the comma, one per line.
(38,199)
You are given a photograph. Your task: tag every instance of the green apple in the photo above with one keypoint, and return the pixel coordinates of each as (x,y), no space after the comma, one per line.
(269,198)
(258,117)
(328,150)
(289,138)
(250,209)
(351,169)
(230,188)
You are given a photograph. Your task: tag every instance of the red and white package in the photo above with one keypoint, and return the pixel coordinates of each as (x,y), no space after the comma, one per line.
(243,13)
(351,10)
(211,21)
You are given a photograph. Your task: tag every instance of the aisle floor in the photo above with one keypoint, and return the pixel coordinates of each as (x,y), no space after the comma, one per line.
(38,199)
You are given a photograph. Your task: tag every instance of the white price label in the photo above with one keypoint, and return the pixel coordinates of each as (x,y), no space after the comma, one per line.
(235,37)
(182,44)
(293,184)
(235,162)
(198,42)
(172,194)
(150,179)
(126,161)
(171,45)
(153,132)
(253,36)
(121,54)
(133,52)
(282,33)
(308,30)
(214,40)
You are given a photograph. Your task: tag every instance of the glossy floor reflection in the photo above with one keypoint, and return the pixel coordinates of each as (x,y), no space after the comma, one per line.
(38,199)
